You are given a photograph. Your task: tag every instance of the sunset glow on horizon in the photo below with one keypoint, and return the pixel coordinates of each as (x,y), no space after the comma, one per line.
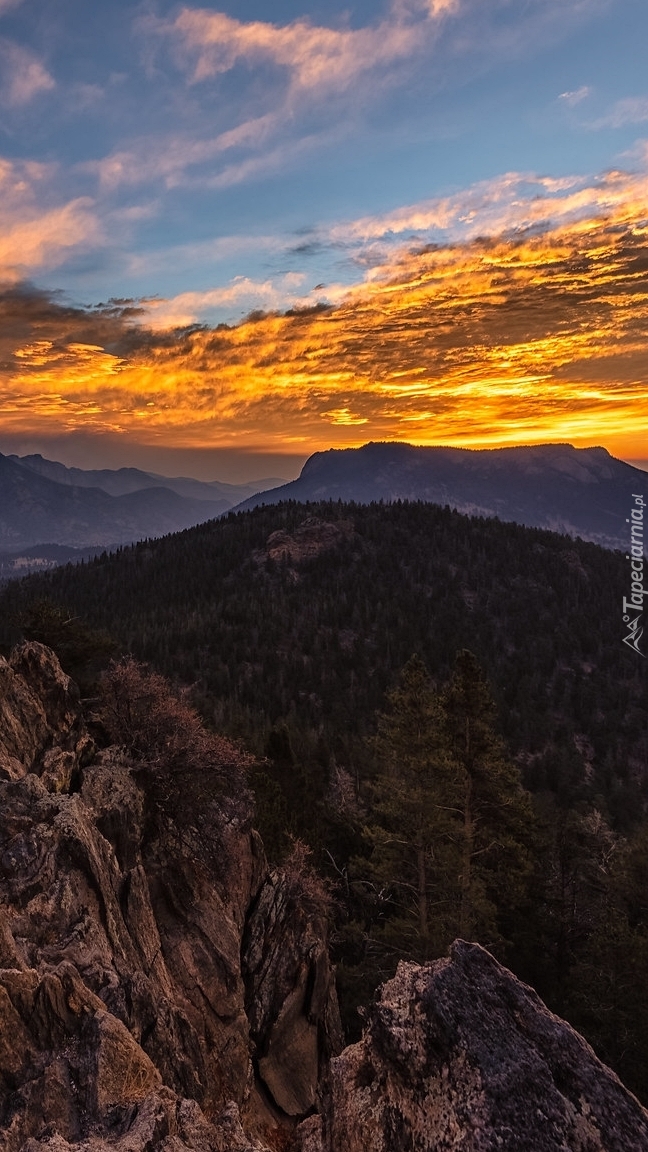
(526,337)
(315,233)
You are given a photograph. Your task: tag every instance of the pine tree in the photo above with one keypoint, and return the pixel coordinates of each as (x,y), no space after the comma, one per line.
(411,830)
(451,822)
(494,811)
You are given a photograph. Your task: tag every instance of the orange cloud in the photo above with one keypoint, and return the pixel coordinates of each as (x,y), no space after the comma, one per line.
(523,337)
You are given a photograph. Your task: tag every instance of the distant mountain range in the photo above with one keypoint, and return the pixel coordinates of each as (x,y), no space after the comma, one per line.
(582,492)
(42,502)
(579,491)
(123,481)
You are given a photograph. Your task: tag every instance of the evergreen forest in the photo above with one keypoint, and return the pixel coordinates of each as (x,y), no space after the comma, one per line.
(440,708)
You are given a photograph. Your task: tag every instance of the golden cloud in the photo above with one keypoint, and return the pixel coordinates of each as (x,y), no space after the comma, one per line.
(524,337)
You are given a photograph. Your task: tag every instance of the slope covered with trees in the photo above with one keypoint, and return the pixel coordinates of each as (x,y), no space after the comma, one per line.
(494,785)
(275,620)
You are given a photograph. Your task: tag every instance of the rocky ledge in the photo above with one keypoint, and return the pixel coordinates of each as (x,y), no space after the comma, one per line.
(156,978)
(162,990)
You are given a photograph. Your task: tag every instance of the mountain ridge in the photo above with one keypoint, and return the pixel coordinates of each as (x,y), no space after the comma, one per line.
(37,508)
(578,491)
(122,481)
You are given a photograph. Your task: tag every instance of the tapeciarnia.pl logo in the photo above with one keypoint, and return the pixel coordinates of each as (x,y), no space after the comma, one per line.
(633,606)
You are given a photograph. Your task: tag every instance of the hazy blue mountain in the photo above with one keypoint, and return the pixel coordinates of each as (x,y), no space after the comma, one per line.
(122,481)
(37,510)
(580,491)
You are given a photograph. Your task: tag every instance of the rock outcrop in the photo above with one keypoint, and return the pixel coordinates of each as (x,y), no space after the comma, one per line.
(123,1017)
(460,1056)
(309,540)
(41,725)
(161,990)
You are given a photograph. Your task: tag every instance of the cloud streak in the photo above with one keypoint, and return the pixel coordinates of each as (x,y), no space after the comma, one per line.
(33,236)
(294,71)
(632,110)
(577,96)
(278,91)
(527,336)
(315,58)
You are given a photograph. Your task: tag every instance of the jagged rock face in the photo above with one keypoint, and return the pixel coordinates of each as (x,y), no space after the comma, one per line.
(460,1055)
(162,991)
(136,971)
(41,727)
(291,1001)
(123,1019)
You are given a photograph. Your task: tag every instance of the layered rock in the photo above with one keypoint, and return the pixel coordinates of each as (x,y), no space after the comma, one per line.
(460,1056)
(122,1000)
(41,725)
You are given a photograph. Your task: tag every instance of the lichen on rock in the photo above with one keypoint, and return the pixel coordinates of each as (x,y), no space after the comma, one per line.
(460,1056)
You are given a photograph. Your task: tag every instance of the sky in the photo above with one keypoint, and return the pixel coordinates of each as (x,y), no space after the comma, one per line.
(238,233)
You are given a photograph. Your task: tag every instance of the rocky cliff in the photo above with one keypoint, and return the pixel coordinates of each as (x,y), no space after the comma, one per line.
(153,986)
(163,990)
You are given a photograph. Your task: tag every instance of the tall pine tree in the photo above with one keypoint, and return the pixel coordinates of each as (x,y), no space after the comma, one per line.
(451,822)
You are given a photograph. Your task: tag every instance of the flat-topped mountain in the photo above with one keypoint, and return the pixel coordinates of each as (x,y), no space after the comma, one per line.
(579,491)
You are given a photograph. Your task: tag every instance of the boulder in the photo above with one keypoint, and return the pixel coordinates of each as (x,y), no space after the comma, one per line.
(460,1056)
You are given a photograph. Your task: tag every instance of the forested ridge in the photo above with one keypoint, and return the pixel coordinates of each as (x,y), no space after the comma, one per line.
(296,628)
(316,641)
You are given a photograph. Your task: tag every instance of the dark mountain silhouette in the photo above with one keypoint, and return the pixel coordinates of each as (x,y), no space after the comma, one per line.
(579,491)
(43,502)
(122,481)
(35,510)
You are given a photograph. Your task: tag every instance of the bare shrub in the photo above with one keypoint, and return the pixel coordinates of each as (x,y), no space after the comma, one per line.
(306,889)
(184,766)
